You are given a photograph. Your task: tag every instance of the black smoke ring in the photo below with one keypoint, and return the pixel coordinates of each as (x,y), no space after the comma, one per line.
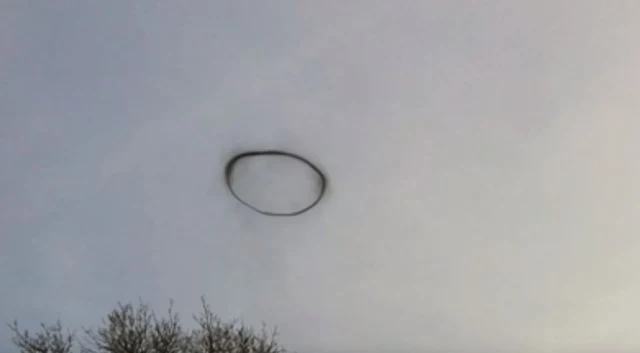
(228,171)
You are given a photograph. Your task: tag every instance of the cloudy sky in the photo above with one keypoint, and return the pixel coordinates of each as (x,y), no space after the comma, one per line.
(482,158)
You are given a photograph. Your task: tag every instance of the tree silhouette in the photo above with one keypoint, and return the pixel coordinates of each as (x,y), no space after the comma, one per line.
(132,328)
(50,339)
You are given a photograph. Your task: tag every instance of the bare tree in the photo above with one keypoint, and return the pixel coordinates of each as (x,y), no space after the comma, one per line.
(167,335)
(50,339)
(125,330)
(137,329)
(216,336)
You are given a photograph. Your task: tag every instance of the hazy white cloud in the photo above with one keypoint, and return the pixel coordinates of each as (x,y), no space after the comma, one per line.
(481,158)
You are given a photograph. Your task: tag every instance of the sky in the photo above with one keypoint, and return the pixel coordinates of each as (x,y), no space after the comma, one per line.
(481,156)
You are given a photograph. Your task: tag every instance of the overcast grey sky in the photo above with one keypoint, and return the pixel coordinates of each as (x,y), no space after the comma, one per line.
(482,158)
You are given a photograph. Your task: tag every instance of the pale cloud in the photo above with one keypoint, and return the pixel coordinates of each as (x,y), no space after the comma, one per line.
(481,160)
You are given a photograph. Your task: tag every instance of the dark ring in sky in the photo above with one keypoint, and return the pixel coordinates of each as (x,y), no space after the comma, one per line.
(228,170)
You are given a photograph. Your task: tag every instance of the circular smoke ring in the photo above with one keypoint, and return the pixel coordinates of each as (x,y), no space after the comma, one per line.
(228,171)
